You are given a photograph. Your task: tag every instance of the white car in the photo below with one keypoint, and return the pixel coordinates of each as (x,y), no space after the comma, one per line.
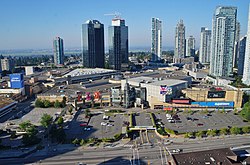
(103,123)
(171,121)
(109,125)
(177,150)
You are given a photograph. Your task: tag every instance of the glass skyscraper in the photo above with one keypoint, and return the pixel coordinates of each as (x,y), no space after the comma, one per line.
(156,39)
(190,46)
(179,51)
(93,44)
(205,45)
(246,71)
(58,51)
(241,50)
(223,39)
(118,44)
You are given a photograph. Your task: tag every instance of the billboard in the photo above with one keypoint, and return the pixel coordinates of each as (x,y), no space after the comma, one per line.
(214,103)
(16,80)
(216,94)
(165,90)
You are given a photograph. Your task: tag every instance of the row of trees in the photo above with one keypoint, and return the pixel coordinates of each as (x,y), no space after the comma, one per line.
(96,141)
(46,103)
(222,131)
(56,131)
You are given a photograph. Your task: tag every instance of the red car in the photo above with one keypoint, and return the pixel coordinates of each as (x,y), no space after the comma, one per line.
(83,124)
(200,124)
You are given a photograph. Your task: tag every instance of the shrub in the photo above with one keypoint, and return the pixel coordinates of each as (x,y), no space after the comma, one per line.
(169,131)
(246,129)
(235,130)
(76,141)
(224,131)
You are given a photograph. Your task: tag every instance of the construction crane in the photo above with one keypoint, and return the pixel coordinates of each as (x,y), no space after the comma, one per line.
(116,14)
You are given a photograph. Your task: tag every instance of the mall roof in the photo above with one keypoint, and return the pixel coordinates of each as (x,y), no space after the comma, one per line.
(87,71)
(156,81)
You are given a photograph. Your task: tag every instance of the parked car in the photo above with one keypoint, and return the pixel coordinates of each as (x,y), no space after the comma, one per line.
(83,124)
(103,123)
(200,124)
(177,150)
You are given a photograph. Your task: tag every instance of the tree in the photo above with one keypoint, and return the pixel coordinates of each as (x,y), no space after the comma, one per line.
(246,129)
(57,104)
(223,131)
(245,112)
(75,141)
(46,120)
(47,103)
(212,132)
(186,135)
(60,121)
(235,130)
(63,103)
(39,103)
(24,125)
(200,133)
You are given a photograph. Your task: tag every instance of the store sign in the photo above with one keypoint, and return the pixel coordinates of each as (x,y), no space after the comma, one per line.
(214,104)
(165,90)
(216,94)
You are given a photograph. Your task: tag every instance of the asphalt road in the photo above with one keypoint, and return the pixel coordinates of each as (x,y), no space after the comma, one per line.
(153,154)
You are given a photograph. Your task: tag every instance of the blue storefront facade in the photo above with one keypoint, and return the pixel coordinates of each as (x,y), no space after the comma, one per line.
(215,104)
(16,80)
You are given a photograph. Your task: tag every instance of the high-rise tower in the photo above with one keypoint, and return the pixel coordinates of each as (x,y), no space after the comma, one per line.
(190,46)
(205,45)
(93,44)
(156,46)
(118,44)
(242,51)
(179,51)
(246,71)
(58,51)
(223,39)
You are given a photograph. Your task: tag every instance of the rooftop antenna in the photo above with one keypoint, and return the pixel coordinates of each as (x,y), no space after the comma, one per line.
(117,15)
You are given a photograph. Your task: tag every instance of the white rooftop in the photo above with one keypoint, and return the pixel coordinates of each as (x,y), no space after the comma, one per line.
(87,71)
(156,81)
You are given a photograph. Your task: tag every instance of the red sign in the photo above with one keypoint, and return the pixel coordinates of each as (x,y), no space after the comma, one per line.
(97,95)
(168,108)
(181,101)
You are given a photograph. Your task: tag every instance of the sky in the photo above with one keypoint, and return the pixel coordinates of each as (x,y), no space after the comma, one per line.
(32,24)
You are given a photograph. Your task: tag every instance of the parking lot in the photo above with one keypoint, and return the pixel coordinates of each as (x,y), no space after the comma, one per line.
(94,128)
(199,121)
(33,115)
(142,119)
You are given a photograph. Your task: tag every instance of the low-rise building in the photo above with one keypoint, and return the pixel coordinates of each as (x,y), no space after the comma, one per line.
(223,156)
(159,91)
(212,96)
